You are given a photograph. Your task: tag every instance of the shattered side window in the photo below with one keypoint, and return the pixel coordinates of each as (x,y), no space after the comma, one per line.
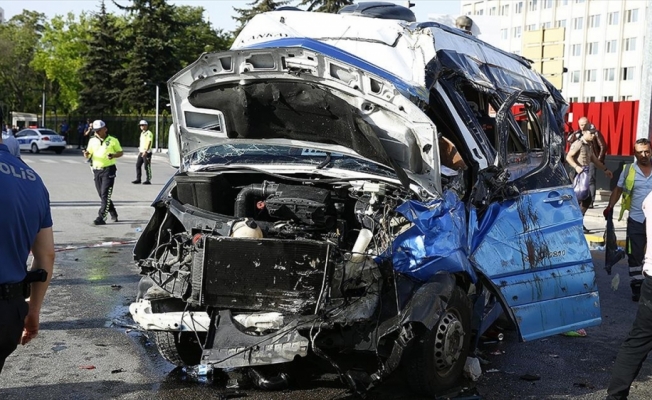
(525,142)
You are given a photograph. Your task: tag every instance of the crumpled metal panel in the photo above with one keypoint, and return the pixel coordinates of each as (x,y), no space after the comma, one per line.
(535,254)
(437,240)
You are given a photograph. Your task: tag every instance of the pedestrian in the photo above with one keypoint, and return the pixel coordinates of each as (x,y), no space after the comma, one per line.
(580,156)
(638,344)
(103,149)
(144,154)
(80,134)
(598,145)
(25,225)
(634,184)
(11,142)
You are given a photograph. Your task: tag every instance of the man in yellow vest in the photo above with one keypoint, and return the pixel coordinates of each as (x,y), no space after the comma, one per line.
(144,154)
(103,149)
(634,184)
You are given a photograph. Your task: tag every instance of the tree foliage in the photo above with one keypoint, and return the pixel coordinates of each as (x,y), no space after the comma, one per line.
(257,7)
(61,55)
(20,83)
(327,6)
(197,36)
(103,59)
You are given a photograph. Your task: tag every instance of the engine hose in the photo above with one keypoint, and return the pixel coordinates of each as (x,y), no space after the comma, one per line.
(245,196)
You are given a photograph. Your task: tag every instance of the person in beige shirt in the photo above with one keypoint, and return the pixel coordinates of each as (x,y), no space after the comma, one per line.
(581,156)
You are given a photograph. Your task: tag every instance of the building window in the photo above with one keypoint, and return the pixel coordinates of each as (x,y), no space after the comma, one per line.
(607,98)
(479,12)
(590,75)
(609,74)
(572,99)
(594,21)
(503,34)
(629,44)
(492,11)
(631,15)
(612,18)
(533,5)
(576,50)
(562,2)
(547,3)
(592,48)
(610,46)
(579,1)
(504,10)
(517,52)
(560,23)
(628,73)
(625,98)
(578,23)
(547,25)
(517,32)
(589,99)
(531,27)
(575,76)
(519,7)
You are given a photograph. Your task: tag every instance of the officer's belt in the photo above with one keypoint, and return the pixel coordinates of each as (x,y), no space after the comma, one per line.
(9,291)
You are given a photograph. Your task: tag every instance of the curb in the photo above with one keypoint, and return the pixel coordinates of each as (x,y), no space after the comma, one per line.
(594,240)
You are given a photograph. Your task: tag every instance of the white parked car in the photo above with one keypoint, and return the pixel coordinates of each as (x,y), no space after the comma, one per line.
(37,139)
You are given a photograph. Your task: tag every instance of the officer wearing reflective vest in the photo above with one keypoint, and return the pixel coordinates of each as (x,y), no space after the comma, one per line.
(634,184)
(25,225)
(103,149)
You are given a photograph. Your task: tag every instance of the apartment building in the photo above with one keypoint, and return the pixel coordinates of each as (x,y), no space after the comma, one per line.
(603,41)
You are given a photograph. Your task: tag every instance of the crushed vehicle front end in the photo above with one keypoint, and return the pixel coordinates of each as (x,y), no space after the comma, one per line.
(330,202)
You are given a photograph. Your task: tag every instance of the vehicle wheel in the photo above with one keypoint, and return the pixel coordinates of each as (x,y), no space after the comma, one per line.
(437,359)
(179,348)
(58,151)
(34,148)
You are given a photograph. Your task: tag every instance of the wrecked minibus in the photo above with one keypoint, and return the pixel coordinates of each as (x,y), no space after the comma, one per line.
(361,183)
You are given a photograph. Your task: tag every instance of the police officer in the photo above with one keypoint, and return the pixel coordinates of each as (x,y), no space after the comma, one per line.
(103,149)
(25,224)
(144,154)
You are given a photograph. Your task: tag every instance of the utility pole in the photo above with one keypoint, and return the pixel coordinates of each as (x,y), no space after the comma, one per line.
(645,97)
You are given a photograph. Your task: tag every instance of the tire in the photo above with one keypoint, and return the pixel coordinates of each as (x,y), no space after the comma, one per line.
(34,149)
(58,150)
(436,361)
(179,348)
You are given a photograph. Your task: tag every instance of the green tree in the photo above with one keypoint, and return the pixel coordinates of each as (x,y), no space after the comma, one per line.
(197,36)
(152,56)
(327,6)
(21,86)
(102,62)
(257,7)
(61,55)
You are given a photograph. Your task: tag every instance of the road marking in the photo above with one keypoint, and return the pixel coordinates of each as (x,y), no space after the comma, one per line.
(46,160)
(71,161)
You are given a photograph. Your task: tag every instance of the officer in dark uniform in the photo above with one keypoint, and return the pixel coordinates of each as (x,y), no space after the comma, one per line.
(103,149)
(25,224)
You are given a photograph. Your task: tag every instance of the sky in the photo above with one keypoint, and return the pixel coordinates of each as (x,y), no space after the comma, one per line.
(219,12)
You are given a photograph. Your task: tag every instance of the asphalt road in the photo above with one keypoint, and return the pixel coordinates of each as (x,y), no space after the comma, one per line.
(87,349)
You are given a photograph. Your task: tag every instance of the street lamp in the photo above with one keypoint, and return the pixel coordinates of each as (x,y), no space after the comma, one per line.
(157,96)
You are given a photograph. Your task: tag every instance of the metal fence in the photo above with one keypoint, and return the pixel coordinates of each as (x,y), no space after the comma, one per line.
(124,127)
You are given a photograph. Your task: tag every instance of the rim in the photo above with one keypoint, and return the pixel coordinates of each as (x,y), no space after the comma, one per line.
(449,342)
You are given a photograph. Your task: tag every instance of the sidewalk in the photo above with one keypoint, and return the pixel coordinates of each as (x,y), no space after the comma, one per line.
(594,221)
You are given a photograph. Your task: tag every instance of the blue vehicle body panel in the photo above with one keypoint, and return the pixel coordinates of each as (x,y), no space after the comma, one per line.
(534,252)
(408,90)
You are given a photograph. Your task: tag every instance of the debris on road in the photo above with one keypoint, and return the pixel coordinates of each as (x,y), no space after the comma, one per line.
(577,333)
(86,367)
(530,377)
(472,368)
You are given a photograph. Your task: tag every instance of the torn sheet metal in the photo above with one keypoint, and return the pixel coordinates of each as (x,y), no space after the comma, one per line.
(436,241)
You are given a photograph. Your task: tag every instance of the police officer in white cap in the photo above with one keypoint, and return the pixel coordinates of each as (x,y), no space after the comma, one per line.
(103,149)
(144,154)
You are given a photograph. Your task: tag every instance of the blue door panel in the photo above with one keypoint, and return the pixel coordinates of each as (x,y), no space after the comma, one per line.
(537,320)
(535,254)
(547,285)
